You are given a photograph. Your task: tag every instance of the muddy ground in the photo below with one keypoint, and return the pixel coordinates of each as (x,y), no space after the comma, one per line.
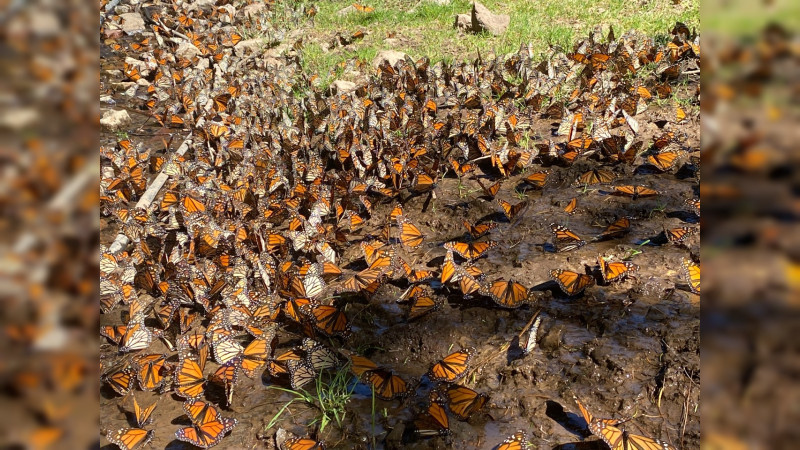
(627,350)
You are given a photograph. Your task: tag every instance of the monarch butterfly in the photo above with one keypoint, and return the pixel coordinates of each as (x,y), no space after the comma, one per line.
(615,271)
(114,333)
(151,370)
(596,426)
(596,176)
(328,319)
(206,434)
(359,364)
(368,280)
(385,384)
(255,355)
(422,183)
(468,283)
(143,415)
(303,443)
(517,441)
(565,239)
(131,438)
(693,204)
(462,169)
(363,8)
(377,256)
(617,439)
(490,191)
(189,379)
(319,356)
(434,421)
(421,305)
(296,308)
(570,208)
(619,228)
(200,411)
(136,337)
(510,210)
(634,191)
(410,235)
(678,235)
(508,294)
(664,161)
(300,373)
(537,179)
(691,273)
(463,401)
(277,366)
(226,349)
(121,380)
(453,366)
(572,283)
(479,230)
(471,250)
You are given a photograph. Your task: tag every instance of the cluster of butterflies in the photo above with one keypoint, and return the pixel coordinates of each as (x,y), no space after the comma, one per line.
(244,247)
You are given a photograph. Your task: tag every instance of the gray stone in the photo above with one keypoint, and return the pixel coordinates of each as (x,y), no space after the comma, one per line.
(463,22)
(132,23)
(18,118)
(252,10)
(204,5)
(343,87)
(114,120)
(345,11)
(392,56)
(186,50)
(485,20)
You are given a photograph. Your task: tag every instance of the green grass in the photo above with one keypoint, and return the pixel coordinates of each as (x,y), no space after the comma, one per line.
(748,18)
(332,394)
(426,29)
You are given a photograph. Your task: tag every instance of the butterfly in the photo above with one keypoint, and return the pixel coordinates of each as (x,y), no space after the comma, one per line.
(571,206)
(693,204)
(151,371)
(453,366)
(121,380)
(143,415)
(537,179)
(255,355)
(278,365)
(678,235)
(490,191)
(517,441)
(471,250)
(606,429)
(463,401)
(421,305)
(385,384)
(300,373)
(328,319)
(634,191)
(565,239)
(462,169)
(226,376)
(319,356)
(359,364)
(136,337)
(368,280)
(303,443)
(510,210)
(619,228)
(434,421)
(476,231)
(615,271)
(200,411)
(206,434)
(189,379)
(572,283)
(226,348)
(131,438)
(596,176)
(691,273)
(114,333)
(664,161)
(410,235)
(363,8)
(508,294)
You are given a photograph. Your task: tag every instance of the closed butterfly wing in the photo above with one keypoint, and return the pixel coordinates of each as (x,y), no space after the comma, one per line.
(510,210)
(410,235)
(421,305)
(432,422)
(565,239)
(691,273)
(189,379)
(300,373)
(617,229)
(517,441)
(537,179)
(255,356)
(679,234)
(303,443)
(359,365)
(385,384)
(572,206)
(143,415)
(319,356)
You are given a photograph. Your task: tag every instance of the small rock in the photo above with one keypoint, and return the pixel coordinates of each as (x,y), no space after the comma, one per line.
(392,56)
(343,87)
(122,9)
(485,20)
(230,13)
(345,11)
(187,50)
(463,22)
(18,118)
(204,5)
(114,120)
(131,23)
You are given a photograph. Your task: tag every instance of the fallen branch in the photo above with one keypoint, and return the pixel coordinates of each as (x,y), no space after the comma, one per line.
(122,241)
